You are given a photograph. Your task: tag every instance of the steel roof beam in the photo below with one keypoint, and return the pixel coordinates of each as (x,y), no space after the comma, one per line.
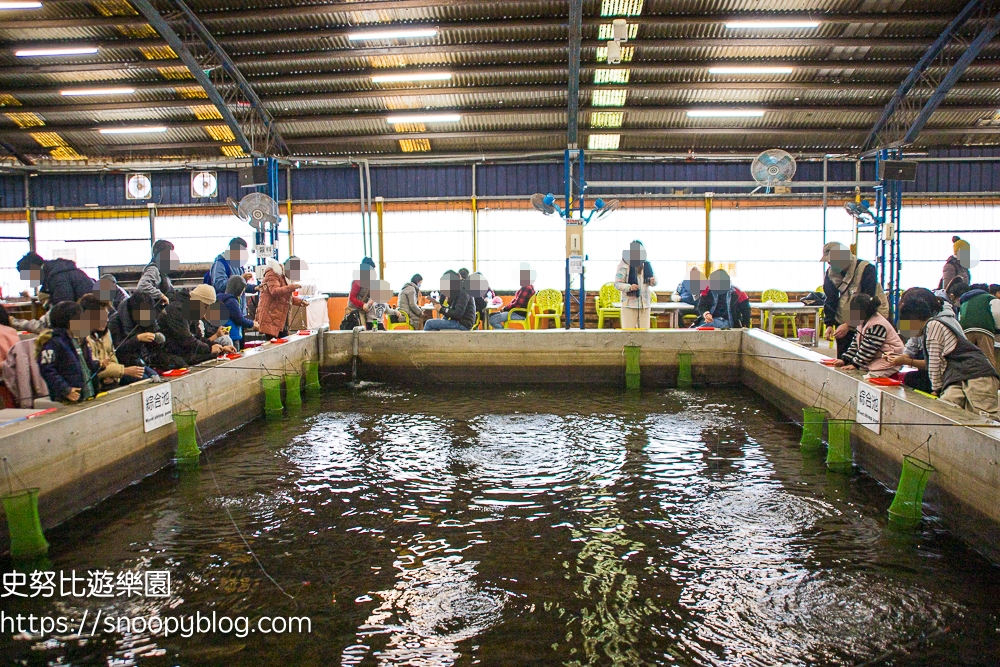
(182,51)
(951,78)
(21,157)
(936,48)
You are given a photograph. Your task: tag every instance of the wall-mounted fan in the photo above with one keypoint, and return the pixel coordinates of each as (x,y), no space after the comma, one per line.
(772,167)
(544,203)
(256,208)
(138,186)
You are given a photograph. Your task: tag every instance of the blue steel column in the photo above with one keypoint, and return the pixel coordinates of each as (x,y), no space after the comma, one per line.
(568,181)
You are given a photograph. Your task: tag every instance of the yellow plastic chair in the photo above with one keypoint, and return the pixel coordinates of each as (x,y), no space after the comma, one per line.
(652,315)
(607,296)
(548,305)
(399,326)
(777,296)
(524,324)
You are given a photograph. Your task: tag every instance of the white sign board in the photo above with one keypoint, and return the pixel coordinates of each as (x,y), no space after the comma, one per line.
(265,250)
(157,407)
(869,407)
(576,264)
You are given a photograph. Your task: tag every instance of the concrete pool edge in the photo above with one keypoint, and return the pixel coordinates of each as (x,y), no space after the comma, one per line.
(84,454)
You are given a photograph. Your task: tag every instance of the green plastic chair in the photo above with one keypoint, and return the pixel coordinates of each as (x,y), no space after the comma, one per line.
(777,296)
(607,296)
(548,306)
(524,324)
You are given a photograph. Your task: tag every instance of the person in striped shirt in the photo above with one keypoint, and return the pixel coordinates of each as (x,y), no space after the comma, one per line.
(876,341)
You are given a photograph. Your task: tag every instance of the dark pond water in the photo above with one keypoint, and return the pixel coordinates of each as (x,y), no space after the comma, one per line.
(499,526)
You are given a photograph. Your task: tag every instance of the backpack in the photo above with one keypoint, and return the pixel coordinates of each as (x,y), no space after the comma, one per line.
(814,299)
(351,319)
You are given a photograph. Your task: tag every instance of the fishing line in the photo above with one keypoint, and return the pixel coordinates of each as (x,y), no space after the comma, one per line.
(225,506)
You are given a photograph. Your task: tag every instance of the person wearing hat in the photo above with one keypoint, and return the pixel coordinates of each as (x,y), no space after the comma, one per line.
(958,264)
(846,277)
(178,322)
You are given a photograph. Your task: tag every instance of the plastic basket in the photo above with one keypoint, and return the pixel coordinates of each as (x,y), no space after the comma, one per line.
(312,377)
(906,510)
(684,378)
(24,525)
(293,388)
(812,428)
(272,396)
(839,456)
(187,434)
(632,372)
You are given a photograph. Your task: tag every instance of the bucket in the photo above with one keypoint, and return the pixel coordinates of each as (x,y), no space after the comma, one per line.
(684,378)
(812,428)
(312,377)
(26,538)
(187,440)
(906,510)
(807,337)
(293,388)
(272,396)
(839,457)
(632,373)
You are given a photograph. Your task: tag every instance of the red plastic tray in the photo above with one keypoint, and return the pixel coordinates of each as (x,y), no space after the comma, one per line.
(278,341)
(175,373)
(305,332)
(885,382)
(828,362)
(706,329)
(231,356)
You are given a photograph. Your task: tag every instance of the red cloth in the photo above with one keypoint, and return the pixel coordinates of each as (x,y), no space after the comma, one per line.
(353,298)
(521,298)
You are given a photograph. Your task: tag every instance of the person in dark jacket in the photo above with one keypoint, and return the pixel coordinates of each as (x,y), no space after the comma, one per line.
(723,305)
(58,278)
(232,310)
(65,361)
(847,277)
(182,348)
(460,314)
(229,264)
(978,313)
(958,263)
(111,291)
(133,331)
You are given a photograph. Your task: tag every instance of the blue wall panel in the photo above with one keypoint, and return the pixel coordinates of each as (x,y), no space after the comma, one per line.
(511,180)
(326,183)
(431,181)
(11,191)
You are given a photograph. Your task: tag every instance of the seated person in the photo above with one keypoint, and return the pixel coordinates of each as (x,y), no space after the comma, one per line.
(688,289)
(66,364)
(875,343)
(409,301)
(181,347)
(8,335)
(109,290)
(102,349)
(231,308)
(133,331)
(460,315)
(520,300)
(379,296)
(722,305)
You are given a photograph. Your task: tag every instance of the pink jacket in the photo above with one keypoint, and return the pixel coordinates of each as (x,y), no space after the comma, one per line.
(8,339)
(276,296)
(23,376)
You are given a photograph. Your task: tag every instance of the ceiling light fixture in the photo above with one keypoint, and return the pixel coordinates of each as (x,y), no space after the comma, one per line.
(141,129)
(57,51)
(19,4)
(74,92)
(411,76)
(424,118)
(725,113)
(393,34)
(750,70)
(780,25)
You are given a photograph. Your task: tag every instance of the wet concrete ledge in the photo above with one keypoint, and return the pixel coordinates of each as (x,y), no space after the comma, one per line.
(82,454)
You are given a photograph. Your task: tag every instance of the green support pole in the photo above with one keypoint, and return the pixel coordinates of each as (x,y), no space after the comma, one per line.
(25,527)
(632,372)
(187,440)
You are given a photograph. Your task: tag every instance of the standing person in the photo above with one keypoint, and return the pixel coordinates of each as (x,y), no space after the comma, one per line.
(277,297)
(228,264)
(409,301)
(958,263)
(520,300)
(979,314)
(876,342)
(59,279)
(67,365)
(847,277)
(155,279)
(359,301)
(460,313)
(722,305)
(232,313)
(633,279)
(959,371)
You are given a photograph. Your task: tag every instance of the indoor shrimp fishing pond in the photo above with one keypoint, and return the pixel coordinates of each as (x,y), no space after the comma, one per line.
(509,525)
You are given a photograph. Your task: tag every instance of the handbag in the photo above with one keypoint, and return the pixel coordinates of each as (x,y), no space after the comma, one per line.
(814,299)
(351,319)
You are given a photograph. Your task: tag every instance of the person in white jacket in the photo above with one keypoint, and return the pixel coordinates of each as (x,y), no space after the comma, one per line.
(634,279)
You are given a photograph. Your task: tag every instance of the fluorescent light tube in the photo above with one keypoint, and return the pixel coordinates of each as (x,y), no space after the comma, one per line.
(725,113)
(96,91)
(750,70)
(424,118)
(19,4)
(56,51)
(735,25)
(142,129)
(411,76)
(403,33)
